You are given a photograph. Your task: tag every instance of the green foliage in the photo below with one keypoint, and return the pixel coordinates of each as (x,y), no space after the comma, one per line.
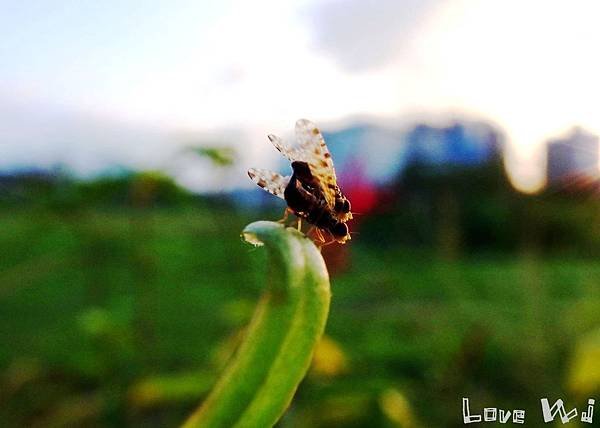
(63,193)
(469,210)
(220,156)
(123,315)
(135,189)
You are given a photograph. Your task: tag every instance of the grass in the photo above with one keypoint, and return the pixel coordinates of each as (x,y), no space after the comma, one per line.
(98,305)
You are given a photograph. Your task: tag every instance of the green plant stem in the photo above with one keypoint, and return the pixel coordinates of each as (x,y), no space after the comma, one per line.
(259,384)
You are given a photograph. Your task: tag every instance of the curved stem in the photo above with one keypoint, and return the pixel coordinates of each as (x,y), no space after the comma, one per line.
(258,385)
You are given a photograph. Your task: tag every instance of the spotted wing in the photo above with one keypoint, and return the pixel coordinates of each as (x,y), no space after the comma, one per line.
(312,150)
(272,182)
(290,153)
(316,154)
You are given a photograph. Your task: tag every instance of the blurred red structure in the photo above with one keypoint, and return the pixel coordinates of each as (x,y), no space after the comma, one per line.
(364,196)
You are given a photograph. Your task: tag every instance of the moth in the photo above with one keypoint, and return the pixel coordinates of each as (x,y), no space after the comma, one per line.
(311,191)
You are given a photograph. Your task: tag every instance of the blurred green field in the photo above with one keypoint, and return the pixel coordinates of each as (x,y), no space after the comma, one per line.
(124,317)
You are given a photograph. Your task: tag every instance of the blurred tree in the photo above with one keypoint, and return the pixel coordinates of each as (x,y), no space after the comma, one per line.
(455,209)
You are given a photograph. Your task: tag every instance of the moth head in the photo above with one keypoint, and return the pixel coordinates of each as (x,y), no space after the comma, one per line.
(342,206)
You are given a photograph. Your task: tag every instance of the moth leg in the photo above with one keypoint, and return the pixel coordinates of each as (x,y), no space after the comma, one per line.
(325,242)
(311,233)
(319,235)
(315,234)
(299,224)
(286,214)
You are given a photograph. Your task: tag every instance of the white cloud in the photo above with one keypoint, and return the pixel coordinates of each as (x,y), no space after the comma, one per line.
(366,34)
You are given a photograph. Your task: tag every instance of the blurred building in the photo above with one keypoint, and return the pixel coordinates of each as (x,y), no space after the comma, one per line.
(377,152)
(458,144)
(384,153)
(575,156)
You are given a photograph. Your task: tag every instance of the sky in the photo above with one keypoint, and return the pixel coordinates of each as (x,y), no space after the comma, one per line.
(93,84)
